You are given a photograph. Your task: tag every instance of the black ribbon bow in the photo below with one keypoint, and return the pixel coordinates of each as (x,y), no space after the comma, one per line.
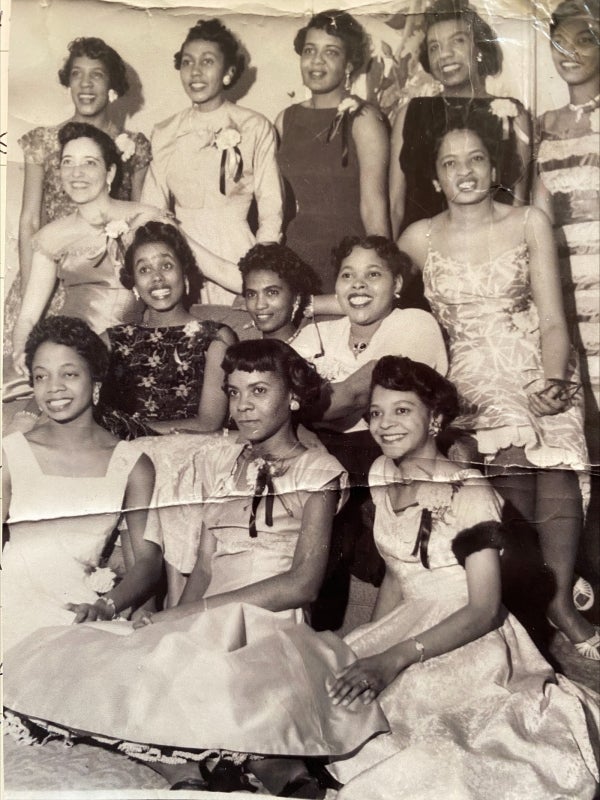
(264,481)
(238,170)
(423,536)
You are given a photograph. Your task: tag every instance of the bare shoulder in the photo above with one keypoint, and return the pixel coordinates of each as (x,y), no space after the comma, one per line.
(414,241)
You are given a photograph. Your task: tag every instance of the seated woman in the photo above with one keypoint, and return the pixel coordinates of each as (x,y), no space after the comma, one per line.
(231,667)
(467,695)
(64,486)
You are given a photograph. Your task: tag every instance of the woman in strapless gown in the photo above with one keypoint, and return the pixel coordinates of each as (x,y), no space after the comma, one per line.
(510,356)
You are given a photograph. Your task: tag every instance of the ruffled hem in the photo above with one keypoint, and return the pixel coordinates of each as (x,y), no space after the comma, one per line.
(491,440)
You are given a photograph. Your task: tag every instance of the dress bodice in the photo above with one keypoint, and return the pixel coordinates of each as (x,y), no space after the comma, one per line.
(41,147)
(158,373)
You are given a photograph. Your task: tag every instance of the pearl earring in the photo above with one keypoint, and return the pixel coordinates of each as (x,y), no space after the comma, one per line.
(112,95)
(348,82)
(96,394)
(294,405)
(226,80)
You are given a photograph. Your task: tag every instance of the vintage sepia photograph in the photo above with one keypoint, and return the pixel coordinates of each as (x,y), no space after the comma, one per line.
(300,393)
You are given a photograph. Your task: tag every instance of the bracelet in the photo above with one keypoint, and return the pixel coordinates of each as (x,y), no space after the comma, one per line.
(419,647)
(111,604)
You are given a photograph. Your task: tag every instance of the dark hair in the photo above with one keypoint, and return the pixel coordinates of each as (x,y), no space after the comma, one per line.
(155,232)
(481,121)
(213,30)
(485,39)
(569,9)
(397,261)
(345,27)
(401,374)
(109,150)
(272,355)
(91,47)
(70,332)
(293,271)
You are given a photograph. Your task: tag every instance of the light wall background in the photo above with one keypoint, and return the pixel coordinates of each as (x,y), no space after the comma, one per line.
(146,38)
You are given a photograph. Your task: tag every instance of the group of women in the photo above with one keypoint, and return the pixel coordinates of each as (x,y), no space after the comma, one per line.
(246,480)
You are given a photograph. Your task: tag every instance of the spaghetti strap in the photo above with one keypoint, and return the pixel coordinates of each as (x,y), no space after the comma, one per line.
(428,235)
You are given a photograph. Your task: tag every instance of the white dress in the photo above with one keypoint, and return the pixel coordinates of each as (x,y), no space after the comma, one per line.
(58,528)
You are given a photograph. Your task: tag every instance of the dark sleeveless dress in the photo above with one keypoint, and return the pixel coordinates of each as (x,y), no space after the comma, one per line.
(322,197)
(426,120)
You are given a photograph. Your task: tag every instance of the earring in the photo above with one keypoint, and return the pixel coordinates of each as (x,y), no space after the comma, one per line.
(397,293)
(226,80)
(136,294)
(186,285)
(112,95)
(435,426)
(294,405)
(479,57)
(437,186)
(295,308)
(108,183)
(348,82)
(96,393)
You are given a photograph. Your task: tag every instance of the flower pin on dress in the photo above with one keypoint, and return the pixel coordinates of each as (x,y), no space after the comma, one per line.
(348,108)
(505,110)
(115,229)
(126,146)
(227,140)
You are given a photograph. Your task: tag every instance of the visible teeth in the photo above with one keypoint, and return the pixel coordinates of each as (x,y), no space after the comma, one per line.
(450,67)
(392,437)
(467,185)
(57,405)
(160,293)
(359,302)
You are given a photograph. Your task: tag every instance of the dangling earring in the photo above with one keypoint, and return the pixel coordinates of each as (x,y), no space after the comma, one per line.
(436,186)
(294,404)
(96,393)
(136,294)
(226,80)
(479,57)
(348,82)
(108,183)
(435,426)
(186,285)
(295,308)
(112,95)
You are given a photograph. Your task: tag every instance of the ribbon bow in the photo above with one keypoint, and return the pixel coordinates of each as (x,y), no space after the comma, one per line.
(423,536)
(264,481)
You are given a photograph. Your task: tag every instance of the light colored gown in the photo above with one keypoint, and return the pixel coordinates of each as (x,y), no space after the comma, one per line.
(489,719)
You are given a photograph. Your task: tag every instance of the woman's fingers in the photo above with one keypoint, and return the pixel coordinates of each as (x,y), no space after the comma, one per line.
(351,684)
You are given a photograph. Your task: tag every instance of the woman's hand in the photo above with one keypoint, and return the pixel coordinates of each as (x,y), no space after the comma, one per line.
(553,399)
(19,362)
(365,679)
(168,615)
(86,612)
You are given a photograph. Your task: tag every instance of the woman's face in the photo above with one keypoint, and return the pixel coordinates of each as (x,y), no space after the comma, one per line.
(158,276)
(323,61)
(269,300)
(62,382)
(463,166)
(451,51)
(83,171)
(89,82)
(259,403)
(399,423)
(575,51)
(202,71)
(365,287)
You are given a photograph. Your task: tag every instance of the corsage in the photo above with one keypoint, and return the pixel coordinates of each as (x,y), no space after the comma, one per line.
(227,140)
(349,107)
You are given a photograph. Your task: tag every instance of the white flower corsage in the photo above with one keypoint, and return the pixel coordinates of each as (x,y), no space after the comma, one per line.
(347,108)
(126,145)
(115,229)
(436,496)
(227,140)
(506,110)
(99,579)
(191,328)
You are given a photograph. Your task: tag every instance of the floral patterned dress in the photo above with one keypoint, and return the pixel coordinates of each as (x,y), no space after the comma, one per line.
(488,719)
(41,147)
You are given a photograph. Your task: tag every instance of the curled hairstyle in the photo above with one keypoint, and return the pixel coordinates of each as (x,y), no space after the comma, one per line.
(485,40)
(110,153)
(486,125)
(272,355)
(401,374)
(70,332)
(570,9)
(399,264)
(155,232)
(293,271)
(344,27)
(213,30)
(91,47)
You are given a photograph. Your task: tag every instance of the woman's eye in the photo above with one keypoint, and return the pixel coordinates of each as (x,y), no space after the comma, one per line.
(38,378)
(273,293)
(401,410)
(345,275)
(166,266)
(373,414)
(249,295)
(433,47)
(259,390)
(308,51)
(374,273)
(460,39)
(71,374)
(231,392)
(208,61)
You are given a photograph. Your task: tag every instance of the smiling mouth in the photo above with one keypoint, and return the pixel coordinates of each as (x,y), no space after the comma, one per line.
(58,405)
(86,98)
(570,64)
(359,300)
(449,68)
(197,87)
(467,186)
(317,74)
(160,294)
(390,438)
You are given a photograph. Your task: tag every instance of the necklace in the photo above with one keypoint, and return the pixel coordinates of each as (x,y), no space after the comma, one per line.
(582,108)
(359,347)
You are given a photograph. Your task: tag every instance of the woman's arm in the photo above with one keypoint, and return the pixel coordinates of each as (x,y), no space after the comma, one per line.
(140,581)
(524,141)
(373,150)
(541,197)
(414,242)
(39,290)
(292,589)
(389,596)
(212,409)
(30,218)
(479,616)
(6,488)
(268,186)
(216,269)
(396,178)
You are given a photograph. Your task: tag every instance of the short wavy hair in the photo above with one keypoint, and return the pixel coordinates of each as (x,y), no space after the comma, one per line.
(213,30)
(485,39)
(401,374)
(155,232)
(92,47)
(569,9)
(70,332)
(273,355)
(298,276)
(345,27)
(110,152)
(397,260)
(486,125)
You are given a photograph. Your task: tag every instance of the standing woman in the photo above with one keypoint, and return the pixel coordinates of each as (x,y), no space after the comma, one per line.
(460,51)
(491,275)
(566,186)
(334,148)
(213,158)
(95,75)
